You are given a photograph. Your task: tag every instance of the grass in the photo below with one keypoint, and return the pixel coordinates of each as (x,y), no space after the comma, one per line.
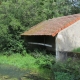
(44,65)
(34,63)
(23,62)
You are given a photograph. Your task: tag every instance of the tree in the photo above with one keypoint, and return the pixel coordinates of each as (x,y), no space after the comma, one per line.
(18,15)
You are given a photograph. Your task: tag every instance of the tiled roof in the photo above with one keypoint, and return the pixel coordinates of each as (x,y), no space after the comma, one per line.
(52,26)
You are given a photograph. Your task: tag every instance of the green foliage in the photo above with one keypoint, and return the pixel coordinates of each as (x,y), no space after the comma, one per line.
(77,50)
(19,15)
(63,76)
(44,65)
(71,69)
(26,62)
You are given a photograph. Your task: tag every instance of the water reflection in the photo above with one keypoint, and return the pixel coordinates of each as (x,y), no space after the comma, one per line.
(12,73)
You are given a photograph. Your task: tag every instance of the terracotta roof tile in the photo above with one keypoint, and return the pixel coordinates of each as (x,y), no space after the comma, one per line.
(52,26)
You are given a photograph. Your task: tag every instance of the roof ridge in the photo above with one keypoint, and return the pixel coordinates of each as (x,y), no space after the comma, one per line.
(53,26)
(65,26)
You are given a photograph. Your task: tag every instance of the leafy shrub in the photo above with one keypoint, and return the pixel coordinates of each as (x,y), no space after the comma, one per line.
(71,68)
(19,15)
(63,76)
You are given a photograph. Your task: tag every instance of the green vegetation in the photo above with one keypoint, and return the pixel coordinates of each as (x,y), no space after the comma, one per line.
(18,60)
(30,62)
(77,50)
(19,15)
(44,65)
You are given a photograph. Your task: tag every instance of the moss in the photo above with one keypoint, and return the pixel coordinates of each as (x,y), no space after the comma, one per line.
(77,50)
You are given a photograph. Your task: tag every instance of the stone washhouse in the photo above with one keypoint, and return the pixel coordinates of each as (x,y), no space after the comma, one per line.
(60,34)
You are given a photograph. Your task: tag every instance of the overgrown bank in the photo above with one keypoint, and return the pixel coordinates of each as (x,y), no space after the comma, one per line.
(19,15)
(29,62)
(44,65)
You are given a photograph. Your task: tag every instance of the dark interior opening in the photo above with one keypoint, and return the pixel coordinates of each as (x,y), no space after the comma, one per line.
(40,42)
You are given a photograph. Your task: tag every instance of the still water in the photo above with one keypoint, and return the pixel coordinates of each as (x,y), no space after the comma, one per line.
(12,73)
